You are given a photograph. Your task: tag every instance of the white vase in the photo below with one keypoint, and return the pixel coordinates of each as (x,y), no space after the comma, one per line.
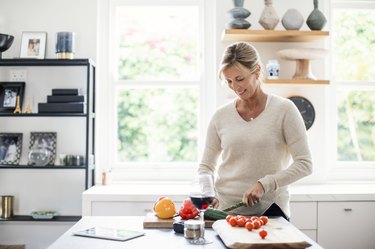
(269,19)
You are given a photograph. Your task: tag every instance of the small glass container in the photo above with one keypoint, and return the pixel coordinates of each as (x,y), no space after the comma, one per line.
(193,229)
(273,69)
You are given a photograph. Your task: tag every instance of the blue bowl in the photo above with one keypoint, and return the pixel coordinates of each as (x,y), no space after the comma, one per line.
(5,42)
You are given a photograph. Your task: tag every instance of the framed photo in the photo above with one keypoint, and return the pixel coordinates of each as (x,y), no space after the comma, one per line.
(33,45)
(42,142)
(10,148)
(9,91)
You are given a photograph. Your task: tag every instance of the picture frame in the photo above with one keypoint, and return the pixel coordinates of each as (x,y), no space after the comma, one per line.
(33,45)
(9,91)
(10,148)
(44,141)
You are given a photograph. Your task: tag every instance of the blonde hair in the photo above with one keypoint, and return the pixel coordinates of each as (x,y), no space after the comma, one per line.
(243,56)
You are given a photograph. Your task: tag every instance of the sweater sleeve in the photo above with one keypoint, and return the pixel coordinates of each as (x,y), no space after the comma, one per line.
(212,149)
(295,136)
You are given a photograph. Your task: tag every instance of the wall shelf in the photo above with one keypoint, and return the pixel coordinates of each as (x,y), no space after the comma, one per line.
(233,35)
(22,166)
(62,218)
(290,81)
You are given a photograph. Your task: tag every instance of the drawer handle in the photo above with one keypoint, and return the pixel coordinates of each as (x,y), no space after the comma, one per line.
(348,209)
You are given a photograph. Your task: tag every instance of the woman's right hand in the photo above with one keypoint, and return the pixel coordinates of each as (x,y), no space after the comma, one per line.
(215,203)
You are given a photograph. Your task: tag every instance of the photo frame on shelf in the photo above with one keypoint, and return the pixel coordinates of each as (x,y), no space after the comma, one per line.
(10,148)
(33,45)
(42,148)
(9,91)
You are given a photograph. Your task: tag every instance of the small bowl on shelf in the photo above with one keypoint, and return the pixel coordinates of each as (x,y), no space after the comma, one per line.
(43,215)
(5,42)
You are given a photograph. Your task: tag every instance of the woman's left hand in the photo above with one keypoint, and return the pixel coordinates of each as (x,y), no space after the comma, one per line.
(253,195)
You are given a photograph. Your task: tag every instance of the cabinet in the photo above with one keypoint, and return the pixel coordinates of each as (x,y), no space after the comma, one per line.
(51,187)
(233,35)
(346,225)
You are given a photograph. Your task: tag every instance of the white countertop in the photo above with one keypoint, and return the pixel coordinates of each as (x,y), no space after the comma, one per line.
(179,191)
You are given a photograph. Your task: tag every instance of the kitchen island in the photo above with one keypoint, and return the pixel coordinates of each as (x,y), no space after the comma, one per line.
(154,238)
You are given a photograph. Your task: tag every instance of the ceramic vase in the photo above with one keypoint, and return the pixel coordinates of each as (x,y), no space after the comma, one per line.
(316,20)
(292,20)
(238,15)
(269,19)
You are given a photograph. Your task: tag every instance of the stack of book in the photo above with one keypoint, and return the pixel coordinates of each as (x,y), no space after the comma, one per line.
(63,101)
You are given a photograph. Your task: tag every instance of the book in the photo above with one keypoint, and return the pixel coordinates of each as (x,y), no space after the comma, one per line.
(61,107)
(65,98)
(65,91)
(119,234)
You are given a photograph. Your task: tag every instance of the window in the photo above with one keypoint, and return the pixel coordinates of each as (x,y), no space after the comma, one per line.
(354,78)
(157,84)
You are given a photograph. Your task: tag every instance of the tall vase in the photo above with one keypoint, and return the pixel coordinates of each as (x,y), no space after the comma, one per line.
(316,20)
(269,19)
(238,15)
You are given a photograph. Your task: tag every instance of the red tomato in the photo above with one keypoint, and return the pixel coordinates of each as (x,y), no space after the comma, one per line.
(241,222)
(256,224)
(264,219)
(252,218)
(249,226)
(228,218)
(263,233)
(233,221)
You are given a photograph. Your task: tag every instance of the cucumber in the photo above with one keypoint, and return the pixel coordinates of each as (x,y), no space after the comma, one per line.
(214,214)
(240,204)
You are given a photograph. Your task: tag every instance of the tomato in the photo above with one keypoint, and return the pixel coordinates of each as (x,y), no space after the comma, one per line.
(241,222)
(252,218)
(256,224)
(228,217)
(249,226)
(188,210)
(263,233)
(233,221)
(264,219)
(165,208)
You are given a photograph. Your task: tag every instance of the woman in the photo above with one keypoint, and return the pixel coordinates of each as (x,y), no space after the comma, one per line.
(256,134)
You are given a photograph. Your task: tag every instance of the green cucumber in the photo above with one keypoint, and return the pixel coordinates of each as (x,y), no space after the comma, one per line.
(214,214)
(240,204)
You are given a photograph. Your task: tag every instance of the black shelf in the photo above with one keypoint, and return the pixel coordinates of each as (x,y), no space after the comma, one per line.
(22,166)
(43,115)
(62,218)
(46,62)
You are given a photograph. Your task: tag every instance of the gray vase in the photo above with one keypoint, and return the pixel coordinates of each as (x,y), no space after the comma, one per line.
(238,15)
(268,19)
(238,24)
(292,20)
(316,20)
(238,12)
(238,3)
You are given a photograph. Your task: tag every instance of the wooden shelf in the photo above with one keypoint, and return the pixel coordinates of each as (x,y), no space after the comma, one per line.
(290,81)
(233,35)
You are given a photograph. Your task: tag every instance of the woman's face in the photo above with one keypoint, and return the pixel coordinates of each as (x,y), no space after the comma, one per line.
(241,81)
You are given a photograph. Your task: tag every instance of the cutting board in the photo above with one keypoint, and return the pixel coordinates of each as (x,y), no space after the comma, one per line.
(152,221)
(281,234)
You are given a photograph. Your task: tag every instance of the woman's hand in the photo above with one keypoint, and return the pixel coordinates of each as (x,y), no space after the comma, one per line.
(215,203)
(253,195)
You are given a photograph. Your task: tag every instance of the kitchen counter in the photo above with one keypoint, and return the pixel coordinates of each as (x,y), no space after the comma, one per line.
(165,238)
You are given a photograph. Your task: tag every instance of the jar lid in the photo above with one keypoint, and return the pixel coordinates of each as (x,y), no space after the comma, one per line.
(193,224)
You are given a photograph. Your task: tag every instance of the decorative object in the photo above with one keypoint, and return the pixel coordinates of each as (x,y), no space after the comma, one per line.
(292,20)
(269,18)
(238,15)
(9,91)
(302,56)
(273,69)
(10,148)
(43,215)
(316,20)
(7,206)
(65,45)
(18,107)
(33,45)
(28,108)
(306,109)
(5,42)
(42,148)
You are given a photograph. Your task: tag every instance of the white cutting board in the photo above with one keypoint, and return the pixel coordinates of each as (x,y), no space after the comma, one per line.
(281,234)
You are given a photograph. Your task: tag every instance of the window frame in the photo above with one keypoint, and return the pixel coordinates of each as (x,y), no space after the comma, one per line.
(345,170)
(107,126)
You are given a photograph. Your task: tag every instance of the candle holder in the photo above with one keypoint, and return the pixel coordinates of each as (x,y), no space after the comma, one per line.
(65,46)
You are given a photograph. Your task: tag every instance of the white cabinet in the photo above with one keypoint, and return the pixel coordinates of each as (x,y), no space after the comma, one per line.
(304,217)
(346,225)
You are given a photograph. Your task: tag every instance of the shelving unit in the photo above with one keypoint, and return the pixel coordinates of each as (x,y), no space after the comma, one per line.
(289,81)
(232,35)
(88,121)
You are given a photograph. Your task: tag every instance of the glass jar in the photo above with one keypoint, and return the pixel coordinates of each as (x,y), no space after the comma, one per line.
(39,157)
(273,69)
(193,229)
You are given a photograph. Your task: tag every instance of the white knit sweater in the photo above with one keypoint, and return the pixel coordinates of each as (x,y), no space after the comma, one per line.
(258,150)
